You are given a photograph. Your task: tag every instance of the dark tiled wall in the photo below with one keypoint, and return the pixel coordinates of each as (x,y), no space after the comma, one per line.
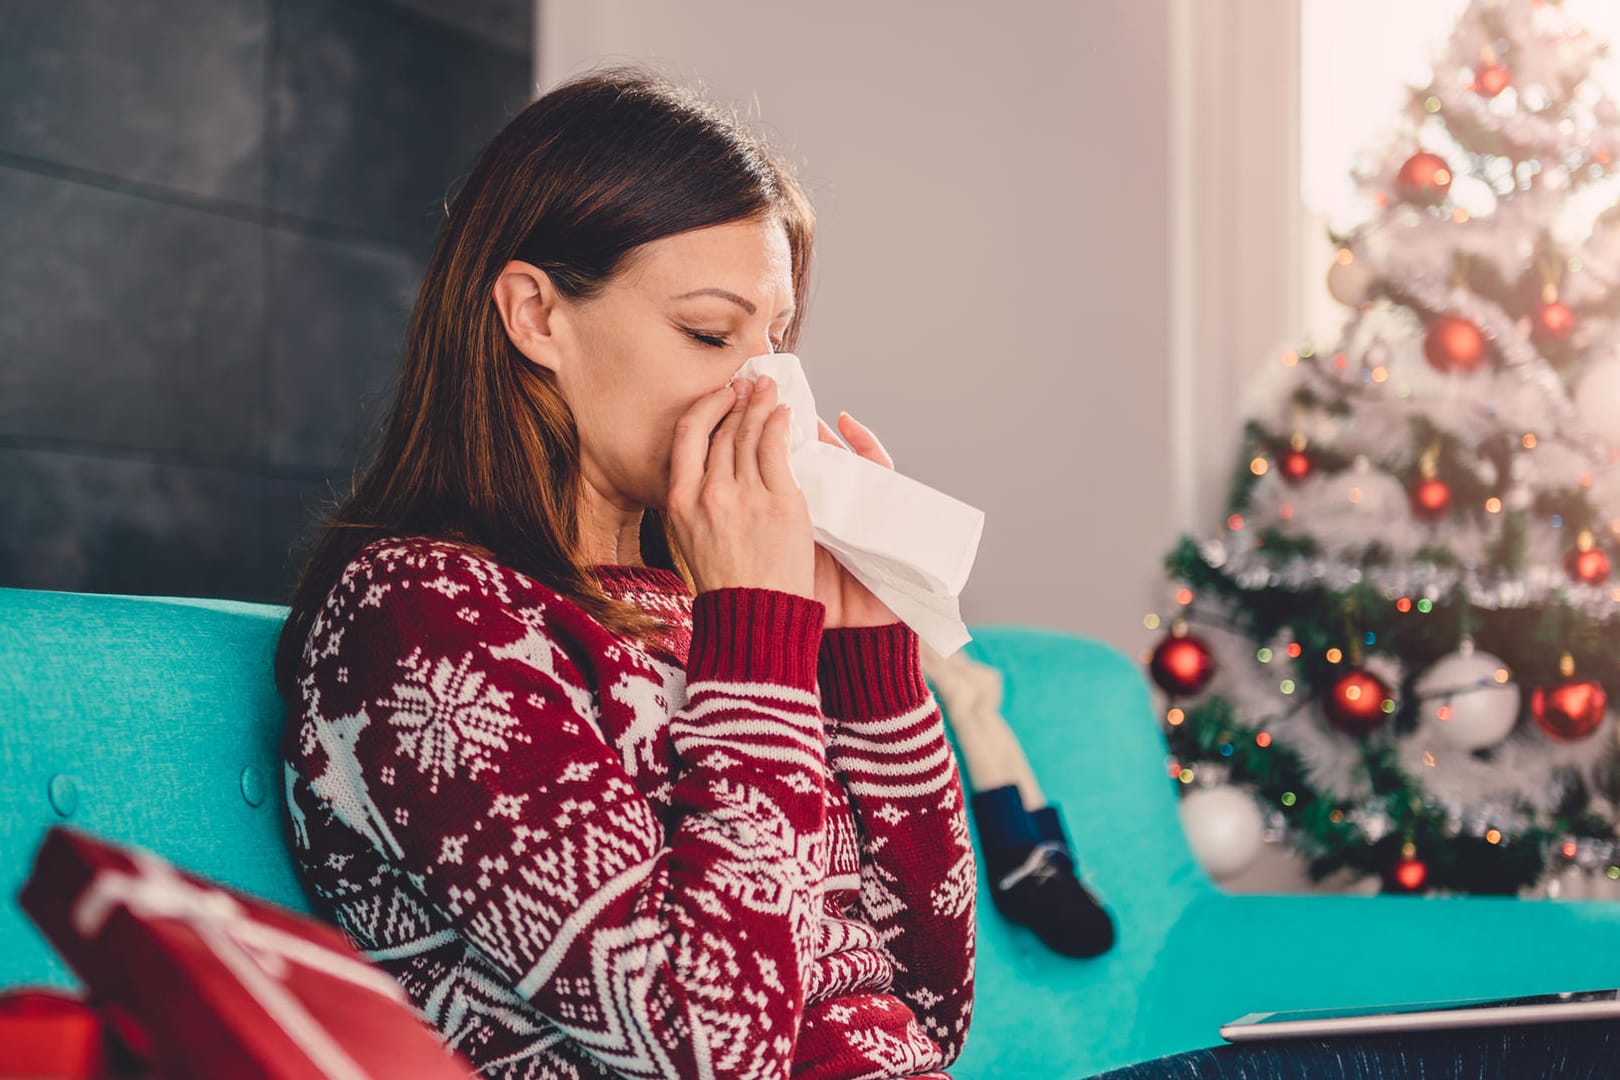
(213,218)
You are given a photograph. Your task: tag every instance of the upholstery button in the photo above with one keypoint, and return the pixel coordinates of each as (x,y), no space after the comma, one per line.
(252,786)
(64,792)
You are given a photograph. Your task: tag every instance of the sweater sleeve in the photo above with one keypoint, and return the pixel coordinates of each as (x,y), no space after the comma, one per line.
(471,756)
(919,881)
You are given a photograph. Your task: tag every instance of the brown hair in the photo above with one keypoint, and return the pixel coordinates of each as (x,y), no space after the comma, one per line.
(478,446)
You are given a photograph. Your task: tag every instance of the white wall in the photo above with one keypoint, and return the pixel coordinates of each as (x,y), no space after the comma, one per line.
(993,288)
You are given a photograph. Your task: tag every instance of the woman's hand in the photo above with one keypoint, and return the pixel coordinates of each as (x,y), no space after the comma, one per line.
(737,514)
(848,602)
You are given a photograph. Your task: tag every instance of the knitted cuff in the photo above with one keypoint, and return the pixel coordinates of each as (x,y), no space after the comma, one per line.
(755,635)
(870,671)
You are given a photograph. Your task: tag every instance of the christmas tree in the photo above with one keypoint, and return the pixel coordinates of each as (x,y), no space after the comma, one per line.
(1396,655)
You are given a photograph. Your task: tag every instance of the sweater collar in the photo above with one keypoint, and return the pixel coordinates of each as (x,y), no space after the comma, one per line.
(640,578)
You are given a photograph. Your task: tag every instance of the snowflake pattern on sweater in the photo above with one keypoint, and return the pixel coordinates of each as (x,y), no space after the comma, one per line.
(743,853)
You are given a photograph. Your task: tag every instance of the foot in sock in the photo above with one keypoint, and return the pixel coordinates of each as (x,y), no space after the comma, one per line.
(1032,872)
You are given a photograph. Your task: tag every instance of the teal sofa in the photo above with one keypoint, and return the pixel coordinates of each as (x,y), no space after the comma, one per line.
(153,721)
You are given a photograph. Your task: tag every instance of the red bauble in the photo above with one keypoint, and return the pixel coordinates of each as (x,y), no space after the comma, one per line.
(1553,322)
(1296,466)
(1425,178)
(1590,566)
(1431,499)
(1491,79)
(1454,344)
(1410,874)
(1570,711)
(1355,705)
(1182,665)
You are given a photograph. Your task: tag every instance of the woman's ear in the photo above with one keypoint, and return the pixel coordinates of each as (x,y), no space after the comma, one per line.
(528,305)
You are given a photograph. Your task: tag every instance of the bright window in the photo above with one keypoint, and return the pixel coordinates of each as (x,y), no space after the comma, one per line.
(1356,62)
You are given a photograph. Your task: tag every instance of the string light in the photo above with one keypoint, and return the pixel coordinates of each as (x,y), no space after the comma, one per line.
(1175,717)
(1259,466)
(1151,621)
(1263,739)
(1334,656)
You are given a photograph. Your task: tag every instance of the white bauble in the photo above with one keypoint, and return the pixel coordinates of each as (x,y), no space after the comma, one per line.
(1481,710)
(1597,400)
(1224,828)
(1350,283)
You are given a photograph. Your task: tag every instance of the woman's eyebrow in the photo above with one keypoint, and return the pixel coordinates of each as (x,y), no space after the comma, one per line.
(747,305)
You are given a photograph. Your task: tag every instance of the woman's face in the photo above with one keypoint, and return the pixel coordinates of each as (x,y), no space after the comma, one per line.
(661,334)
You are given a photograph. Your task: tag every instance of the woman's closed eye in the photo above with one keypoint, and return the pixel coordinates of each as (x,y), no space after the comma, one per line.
(719,341)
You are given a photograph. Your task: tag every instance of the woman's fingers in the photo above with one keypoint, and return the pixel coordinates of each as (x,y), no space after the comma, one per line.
(863,441)
(773,451)
(723,445)
(760,404)
(693,437)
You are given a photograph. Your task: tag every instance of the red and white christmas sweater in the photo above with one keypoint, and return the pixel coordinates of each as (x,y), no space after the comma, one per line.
(741,853)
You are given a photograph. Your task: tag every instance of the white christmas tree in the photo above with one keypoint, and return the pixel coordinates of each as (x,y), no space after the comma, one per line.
(1397,654)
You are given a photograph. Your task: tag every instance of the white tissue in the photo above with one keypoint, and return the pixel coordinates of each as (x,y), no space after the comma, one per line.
(911,545)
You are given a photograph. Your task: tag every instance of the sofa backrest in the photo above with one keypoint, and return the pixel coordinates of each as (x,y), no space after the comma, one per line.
(146,721)
(155,721)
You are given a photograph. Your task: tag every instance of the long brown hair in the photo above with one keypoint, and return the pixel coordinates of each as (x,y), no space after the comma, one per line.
(479,446)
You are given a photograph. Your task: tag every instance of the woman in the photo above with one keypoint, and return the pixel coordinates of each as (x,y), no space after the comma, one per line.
(589,743)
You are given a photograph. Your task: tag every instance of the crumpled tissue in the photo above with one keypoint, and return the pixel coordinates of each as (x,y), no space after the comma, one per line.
(911,545)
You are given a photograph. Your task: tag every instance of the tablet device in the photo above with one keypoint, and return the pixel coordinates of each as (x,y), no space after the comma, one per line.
(1425,1015)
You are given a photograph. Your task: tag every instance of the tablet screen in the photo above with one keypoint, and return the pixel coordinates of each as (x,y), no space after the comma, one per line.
(1426,1015)
(1431,1006)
